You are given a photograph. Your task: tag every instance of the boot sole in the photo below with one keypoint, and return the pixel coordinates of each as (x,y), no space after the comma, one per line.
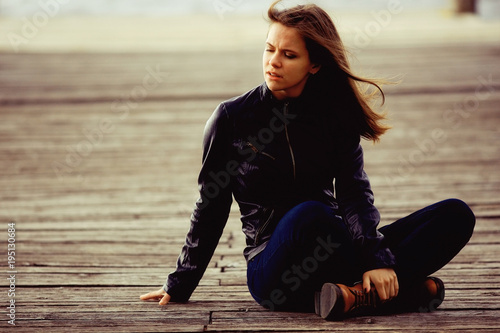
(329,303)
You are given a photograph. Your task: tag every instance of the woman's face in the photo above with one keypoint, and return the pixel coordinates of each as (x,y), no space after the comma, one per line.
(286,62)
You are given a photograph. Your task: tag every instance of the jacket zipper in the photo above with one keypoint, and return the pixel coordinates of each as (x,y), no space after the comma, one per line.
(262,228)
(259,152)
(285,112)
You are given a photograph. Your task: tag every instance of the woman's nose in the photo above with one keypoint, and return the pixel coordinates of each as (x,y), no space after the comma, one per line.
(275,61)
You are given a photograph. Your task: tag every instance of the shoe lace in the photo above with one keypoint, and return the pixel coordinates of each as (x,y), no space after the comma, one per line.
(364,300)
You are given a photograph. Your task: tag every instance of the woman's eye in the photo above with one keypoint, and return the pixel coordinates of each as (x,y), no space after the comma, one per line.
(290,56)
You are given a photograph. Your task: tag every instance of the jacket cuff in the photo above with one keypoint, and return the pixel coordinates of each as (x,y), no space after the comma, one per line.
(176,295)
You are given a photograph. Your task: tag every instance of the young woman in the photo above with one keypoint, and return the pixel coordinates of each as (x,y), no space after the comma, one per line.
(289,152)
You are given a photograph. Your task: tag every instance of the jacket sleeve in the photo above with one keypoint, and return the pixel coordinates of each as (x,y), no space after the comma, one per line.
(355,198)
(210,213)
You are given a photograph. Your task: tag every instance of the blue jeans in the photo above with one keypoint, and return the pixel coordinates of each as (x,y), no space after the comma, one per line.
(311,246)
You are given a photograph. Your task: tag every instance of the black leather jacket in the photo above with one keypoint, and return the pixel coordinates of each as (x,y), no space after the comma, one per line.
(272,155)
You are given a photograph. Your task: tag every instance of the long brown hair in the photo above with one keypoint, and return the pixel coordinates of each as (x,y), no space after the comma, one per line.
(335,76)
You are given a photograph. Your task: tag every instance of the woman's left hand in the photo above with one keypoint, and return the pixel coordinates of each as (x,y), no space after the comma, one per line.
(384,280)
(157,295)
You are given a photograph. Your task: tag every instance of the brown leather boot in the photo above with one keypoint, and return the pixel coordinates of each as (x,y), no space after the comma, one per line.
(435,294)
(424,297)
(336,301)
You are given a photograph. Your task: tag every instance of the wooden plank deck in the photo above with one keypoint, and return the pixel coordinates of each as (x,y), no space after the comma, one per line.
(99,176)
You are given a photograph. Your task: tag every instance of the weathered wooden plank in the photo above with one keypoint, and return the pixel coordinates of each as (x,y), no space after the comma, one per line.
(95,278)
(100,323)
(131,236)
(60,295)
(452,320)
(109,325)
(488,217)
(225,298)
(89,276)
(167,261)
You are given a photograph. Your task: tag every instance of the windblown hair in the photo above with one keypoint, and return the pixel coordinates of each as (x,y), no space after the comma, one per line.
(335,77)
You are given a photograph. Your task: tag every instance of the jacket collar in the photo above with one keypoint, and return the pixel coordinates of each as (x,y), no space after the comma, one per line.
(308,97)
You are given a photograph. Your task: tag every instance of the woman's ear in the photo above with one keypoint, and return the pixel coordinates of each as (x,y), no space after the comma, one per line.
(315,69)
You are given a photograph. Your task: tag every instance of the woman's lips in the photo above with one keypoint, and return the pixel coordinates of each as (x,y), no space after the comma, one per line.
(273,76)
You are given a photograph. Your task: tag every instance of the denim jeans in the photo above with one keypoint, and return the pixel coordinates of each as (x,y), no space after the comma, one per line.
(311,246)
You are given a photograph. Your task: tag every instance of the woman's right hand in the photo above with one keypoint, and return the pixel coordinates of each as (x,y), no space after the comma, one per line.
(157,295)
